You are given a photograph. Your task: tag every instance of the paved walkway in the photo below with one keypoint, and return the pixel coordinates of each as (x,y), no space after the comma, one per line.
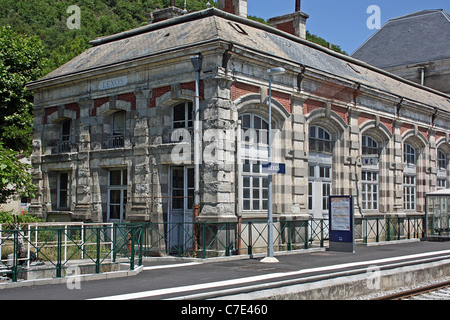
(212,278)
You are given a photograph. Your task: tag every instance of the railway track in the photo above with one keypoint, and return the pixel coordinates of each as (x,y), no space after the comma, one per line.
(436,291)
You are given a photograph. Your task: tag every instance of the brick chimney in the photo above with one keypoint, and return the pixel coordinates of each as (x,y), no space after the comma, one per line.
(237,7)
(293,23)
(165,14)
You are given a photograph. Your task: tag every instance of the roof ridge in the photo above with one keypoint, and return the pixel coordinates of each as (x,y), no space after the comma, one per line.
(417,14)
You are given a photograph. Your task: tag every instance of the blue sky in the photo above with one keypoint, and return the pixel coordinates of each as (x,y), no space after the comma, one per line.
(343,22)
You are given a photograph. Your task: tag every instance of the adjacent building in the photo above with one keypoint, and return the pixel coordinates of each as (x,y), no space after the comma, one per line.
(415,46)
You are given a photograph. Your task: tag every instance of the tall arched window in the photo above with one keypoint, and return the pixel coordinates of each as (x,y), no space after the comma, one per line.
(254,150)
(319,140)
(442,170)
(320,173)
(409,177)
(369,173)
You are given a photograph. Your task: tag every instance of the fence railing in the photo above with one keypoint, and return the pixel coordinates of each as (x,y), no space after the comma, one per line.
(376,229)
(206,239)
(97,247)
(33,248)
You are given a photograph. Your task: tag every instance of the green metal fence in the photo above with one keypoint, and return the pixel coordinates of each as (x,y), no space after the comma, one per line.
(376,229)
(205,239)
(47,251)
(53,248)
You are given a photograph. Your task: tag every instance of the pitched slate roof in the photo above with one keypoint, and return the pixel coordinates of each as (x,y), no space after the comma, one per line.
(415,38)
(213,25)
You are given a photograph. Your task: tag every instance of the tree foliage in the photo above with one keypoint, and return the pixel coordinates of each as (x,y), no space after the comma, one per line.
(15,177)
(20,62)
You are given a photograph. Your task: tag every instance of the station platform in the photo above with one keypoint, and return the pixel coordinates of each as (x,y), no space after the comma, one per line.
(311,274)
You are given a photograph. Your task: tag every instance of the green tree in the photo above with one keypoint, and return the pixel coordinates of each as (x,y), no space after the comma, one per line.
(15,176)
(20,62)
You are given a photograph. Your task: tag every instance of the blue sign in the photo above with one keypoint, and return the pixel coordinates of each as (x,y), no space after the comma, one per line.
(270,167)
(341,223)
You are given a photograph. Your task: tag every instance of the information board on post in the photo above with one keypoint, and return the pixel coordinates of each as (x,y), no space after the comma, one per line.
(341,223)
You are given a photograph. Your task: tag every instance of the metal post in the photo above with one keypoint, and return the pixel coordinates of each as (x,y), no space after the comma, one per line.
(15,255)
(250,238)
(132,253)
(270,223)
(270,257)
(197,64)
(59,253)
(97,262)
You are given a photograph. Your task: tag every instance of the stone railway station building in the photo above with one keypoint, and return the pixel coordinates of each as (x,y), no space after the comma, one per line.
(113,128)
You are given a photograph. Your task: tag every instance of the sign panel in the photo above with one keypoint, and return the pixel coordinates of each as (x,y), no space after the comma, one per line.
(271,167)
(113,83)
(370,160)
(341,223)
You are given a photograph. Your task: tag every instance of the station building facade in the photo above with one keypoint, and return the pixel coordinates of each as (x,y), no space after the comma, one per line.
(113,128)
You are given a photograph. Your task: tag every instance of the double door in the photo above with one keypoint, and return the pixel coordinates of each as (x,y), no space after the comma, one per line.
(319,190)
(181,215)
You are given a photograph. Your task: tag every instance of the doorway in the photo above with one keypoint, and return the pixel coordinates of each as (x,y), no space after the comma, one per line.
(181,215)
(319,190)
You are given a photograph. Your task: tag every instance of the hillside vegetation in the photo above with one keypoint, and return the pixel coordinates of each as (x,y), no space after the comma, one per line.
(47,19)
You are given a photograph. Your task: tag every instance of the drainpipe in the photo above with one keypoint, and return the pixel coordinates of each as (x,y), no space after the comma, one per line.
(197,64)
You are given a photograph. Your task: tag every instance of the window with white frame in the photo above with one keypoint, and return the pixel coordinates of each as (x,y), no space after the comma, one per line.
(369,173)
(320,140)
(442,170)
(409,192)
(442,160)
(409,154)
(117,194)
(409,177)
(255,187)
(319,188)
(369,190)
(182,122)
(182,115)
(254,151)
(320,170)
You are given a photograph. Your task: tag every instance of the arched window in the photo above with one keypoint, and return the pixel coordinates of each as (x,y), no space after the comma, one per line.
(409,154)
(320,171)
(442,170)
(320,140)
(369,146)
(442,160)
(409,177)
(254,151)
(369,173)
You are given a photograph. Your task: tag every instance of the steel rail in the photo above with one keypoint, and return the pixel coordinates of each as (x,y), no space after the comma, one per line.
(415,291)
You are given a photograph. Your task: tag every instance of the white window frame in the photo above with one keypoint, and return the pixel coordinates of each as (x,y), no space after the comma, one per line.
(320,135)
(188,119)
(254,195)
(123,194)
(254,150)
(319,181)
(370,175)
(409,155)
(369,192)
(409,191)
